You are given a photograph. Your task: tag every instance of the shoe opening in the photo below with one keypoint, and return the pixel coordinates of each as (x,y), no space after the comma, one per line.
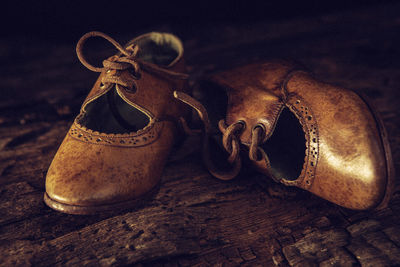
(286,147)
(111,114)
(215,99)
(159,48)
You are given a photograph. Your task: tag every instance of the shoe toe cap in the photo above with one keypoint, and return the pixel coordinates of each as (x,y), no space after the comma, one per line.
(87,174)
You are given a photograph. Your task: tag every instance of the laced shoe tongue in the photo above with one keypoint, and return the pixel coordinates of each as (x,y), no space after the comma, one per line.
(128,59)
(114,96)
(257,102)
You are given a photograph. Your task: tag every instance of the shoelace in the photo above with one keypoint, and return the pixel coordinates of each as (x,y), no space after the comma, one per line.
(212,168)
(126,60)
(230,140)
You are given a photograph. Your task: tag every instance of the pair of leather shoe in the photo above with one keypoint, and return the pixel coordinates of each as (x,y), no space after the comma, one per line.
(295,129)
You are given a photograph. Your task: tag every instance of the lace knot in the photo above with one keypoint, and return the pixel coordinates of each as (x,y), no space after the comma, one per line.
(230,139)
(126,60)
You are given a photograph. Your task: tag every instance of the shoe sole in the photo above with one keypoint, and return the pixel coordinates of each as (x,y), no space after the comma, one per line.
(388,155)
(90,210)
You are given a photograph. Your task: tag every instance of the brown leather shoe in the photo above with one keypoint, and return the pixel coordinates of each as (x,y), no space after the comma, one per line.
(306,133)
(116,149)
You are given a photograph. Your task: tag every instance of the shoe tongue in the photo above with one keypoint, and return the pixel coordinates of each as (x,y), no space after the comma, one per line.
(157,48)
(254,95)
(254,108)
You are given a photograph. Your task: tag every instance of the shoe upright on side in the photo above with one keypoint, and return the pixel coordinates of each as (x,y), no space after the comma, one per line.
(306,133)
(114,153)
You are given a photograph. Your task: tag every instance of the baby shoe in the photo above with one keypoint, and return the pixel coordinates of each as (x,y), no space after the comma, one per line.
(114,153)
(306,133)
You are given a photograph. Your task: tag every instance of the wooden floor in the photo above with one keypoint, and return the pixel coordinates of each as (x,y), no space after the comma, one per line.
(196,220)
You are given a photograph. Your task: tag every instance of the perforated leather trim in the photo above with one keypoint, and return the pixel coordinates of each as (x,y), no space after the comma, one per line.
(307,119)
(141,138)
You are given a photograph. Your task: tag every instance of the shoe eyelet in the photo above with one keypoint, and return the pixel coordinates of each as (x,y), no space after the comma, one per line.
(137,75)
(242,123)
(131,90)
(260,125)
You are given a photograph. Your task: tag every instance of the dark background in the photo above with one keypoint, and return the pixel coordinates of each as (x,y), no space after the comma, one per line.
(68,20)
(34,30)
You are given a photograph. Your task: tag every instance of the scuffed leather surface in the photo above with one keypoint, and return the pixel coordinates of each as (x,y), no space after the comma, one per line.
(351,169)
(91,174)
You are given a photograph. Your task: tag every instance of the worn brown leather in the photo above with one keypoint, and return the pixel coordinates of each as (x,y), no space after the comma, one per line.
(94,171)
(347,157)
